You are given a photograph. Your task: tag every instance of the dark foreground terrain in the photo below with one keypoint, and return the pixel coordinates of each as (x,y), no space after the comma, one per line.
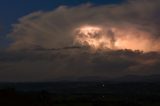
(80,94)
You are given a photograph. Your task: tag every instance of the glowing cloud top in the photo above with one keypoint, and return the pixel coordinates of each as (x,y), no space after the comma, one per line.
(103,38)
(93,37)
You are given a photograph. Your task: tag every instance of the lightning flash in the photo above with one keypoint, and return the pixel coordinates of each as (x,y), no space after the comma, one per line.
(102,38)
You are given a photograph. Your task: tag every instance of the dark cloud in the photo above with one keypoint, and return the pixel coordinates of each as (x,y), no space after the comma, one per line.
(75,63)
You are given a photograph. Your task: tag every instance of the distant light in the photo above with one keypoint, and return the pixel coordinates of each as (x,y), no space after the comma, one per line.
(103,85)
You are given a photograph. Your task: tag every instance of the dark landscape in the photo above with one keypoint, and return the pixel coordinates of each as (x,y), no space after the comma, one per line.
(91,93)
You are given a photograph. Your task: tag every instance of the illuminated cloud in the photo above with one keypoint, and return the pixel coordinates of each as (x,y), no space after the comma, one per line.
(133,25)
(105,38)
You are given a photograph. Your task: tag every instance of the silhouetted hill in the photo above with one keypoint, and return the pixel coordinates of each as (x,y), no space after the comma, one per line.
(127,78)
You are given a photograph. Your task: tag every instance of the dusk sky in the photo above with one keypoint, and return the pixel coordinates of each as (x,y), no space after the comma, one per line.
(49,40)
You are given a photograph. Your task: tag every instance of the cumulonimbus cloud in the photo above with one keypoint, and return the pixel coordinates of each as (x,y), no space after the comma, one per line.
(138,19)
(52,55)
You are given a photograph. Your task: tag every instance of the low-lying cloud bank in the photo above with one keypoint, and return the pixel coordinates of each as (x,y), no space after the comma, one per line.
(72,63)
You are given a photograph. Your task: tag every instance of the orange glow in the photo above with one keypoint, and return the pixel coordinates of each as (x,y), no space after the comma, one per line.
(113,38)
(93,37)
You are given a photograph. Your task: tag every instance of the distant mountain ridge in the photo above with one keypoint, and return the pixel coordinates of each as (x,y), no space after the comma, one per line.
(127,78)
(138,78)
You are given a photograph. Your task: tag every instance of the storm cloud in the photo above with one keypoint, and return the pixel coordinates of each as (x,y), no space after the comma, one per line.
(44,49)
(54,29)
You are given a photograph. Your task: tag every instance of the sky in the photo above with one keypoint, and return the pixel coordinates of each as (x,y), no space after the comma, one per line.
(78,39)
